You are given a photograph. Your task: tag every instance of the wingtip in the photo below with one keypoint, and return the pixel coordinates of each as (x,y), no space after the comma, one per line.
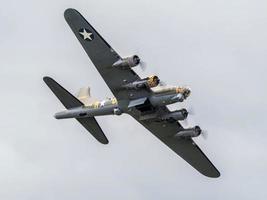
(47,78)
(69,11)
(104,141)
(214,174)
(217,175)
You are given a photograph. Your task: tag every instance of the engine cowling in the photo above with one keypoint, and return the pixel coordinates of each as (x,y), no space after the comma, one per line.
(128,62)
(190,132)
(176,115)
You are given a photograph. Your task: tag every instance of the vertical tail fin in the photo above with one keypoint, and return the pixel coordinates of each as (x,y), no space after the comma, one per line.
(85,97)
(69,101)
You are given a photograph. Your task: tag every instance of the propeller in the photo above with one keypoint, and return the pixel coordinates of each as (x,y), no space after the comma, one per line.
(142,65)
(162,83)
(190,112)
(204,134)
(185,122)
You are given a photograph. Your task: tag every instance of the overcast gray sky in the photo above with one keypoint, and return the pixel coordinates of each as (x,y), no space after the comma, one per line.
(218,48)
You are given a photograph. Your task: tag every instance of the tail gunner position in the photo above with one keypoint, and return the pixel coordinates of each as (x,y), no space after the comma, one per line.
(142,98)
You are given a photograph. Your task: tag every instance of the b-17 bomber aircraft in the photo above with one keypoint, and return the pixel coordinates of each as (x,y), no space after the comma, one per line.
(142,98)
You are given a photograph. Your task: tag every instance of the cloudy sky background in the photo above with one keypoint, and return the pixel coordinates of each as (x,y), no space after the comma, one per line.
(218,48)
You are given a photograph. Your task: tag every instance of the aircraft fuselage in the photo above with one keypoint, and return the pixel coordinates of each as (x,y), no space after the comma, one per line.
(110,106)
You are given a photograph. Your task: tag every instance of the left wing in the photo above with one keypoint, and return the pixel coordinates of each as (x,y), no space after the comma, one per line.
(186,148)
(103,56)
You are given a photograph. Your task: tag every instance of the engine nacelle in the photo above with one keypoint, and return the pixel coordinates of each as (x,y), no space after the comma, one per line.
(149,82)
(126,63)
(176,115)
(190,132)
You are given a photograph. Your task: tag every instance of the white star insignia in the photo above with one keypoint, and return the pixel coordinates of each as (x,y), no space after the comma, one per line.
(86,35)
(102,103)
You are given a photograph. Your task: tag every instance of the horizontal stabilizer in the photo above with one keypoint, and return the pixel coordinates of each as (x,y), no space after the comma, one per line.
(66,98)
(69,101)
(93,127)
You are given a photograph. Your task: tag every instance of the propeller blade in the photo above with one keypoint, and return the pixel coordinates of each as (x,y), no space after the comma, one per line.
(189,119)
(204,134)
(191,110)
(162,83)
(143,65)
(185,122)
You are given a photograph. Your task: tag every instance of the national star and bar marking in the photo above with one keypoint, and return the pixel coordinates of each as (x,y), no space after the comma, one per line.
(86,34)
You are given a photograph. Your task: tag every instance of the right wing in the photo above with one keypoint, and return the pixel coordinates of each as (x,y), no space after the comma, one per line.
(186,148)
(103,56)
